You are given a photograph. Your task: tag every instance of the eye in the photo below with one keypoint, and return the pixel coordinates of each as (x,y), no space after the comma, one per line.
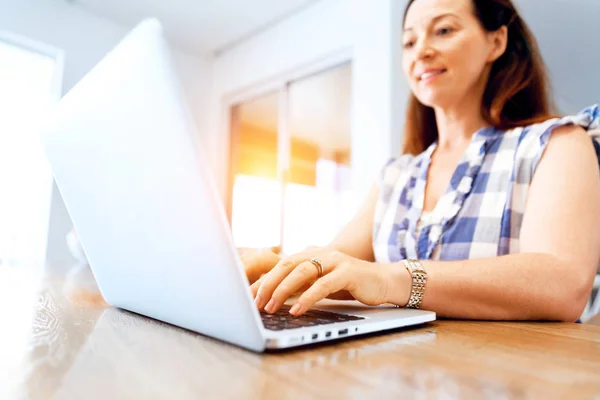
(409,44)
(444,31)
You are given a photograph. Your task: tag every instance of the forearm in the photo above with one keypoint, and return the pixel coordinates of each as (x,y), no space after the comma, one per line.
(353,251)
(513,287)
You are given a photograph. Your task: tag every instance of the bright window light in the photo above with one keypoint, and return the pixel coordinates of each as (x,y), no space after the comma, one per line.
(27,82)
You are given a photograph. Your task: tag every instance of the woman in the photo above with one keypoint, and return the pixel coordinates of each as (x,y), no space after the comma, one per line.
(493,211)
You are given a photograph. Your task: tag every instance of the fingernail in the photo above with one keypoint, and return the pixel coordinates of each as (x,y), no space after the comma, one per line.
(294,310)
(270,305)
(258,301)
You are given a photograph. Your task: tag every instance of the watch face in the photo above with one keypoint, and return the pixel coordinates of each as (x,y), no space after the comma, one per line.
(414,267)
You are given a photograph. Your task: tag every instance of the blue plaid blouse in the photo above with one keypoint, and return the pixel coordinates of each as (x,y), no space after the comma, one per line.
(480,213)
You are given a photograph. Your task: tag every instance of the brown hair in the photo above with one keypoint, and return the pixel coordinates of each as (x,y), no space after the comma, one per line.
(517,92)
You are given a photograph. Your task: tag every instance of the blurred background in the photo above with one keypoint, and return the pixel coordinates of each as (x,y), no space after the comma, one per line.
(298,103)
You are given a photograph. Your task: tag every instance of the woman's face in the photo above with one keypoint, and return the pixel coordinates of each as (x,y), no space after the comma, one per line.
(447,53)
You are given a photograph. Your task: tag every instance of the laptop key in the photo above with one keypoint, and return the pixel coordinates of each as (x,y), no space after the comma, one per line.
(282,319)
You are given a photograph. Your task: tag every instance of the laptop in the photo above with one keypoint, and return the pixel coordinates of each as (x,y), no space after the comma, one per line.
(125,155)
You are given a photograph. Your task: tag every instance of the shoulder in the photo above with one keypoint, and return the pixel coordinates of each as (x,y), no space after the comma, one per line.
(561,136)
(569,147)
(567,176)
(587,120)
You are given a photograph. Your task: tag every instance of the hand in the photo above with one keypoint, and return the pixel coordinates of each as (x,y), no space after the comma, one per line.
(257,262)
(344,278)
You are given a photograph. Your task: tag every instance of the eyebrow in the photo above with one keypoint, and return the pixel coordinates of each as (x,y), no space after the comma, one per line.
(435,19)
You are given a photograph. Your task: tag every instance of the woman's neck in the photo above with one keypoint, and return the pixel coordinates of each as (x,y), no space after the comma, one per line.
(460,120)
(457,125)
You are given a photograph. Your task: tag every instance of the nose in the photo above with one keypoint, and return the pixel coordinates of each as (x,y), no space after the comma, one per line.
(423,49)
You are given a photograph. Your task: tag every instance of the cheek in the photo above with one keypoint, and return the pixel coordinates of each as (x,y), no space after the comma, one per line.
(406,68)
(467,60)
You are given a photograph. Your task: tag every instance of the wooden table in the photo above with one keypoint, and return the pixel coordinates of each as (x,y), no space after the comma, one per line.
(60,340)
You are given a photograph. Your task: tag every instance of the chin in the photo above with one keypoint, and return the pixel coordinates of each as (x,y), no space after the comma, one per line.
(436,100)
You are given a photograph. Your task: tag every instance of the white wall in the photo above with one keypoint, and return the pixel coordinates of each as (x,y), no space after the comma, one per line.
(85,40)
(369,31)
(568,36)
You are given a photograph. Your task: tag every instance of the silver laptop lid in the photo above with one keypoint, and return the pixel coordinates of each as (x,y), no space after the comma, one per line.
(124,154)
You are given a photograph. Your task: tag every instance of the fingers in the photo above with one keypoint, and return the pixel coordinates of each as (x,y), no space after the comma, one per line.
(304,273)
(253,274)
(334,282)
(254,287)
(274,278)
(289,275)
(258,262)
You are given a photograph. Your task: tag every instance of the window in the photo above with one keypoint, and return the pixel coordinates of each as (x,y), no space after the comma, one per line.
(30,78)
(256,187)
(290,164)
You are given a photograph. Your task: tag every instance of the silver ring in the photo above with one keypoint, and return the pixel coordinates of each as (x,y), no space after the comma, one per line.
(317,263)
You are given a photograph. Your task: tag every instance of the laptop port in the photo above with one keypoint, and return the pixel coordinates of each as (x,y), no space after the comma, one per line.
(327,334)
(296,339)
(343,332)
(315,336)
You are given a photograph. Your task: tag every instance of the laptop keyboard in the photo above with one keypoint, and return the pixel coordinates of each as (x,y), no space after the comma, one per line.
(282,319)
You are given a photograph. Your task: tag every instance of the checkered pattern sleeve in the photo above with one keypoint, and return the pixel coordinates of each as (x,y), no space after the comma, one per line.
(532,143)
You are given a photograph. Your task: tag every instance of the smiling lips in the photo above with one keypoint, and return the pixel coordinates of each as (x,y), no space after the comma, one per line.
(430,74)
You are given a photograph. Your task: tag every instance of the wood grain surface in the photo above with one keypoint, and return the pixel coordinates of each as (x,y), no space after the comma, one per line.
(60,340)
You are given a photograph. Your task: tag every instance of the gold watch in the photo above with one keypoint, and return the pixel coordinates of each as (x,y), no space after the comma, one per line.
(419,279)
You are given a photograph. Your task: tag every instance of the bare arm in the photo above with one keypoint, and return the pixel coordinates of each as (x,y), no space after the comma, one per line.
(552,276)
